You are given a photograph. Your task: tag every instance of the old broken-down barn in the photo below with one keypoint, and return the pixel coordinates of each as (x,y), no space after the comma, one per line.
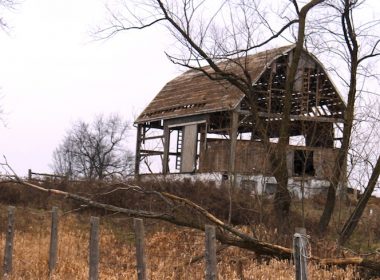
(199,128)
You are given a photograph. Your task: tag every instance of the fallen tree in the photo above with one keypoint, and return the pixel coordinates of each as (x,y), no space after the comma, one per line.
(175,214)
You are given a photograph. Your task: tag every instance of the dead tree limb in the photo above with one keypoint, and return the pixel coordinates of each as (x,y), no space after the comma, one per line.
(225,233)
(353,220)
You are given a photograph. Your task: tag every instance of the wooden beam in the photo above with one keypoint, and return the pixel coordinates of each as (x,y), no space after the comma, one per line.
(156,153)
(316,118)
(218,130)
(233,138)
(153,137)
(138,150)
(165,159)
(296,117)
(176,122)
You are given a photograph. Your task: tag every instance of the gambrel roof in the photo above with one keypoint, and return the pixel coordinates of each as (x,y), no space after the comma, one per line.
(193,93)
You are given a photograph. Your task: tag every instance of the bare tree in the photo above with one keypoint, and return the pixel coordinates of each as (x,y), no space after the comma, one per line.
(352,46)
(94,151)
(227,31)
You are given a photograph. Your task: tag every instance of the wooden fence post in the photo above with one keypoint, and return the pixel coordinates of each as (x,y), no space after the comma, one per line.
(53,240)
(300,253)
(210,253)
(240,270)
(94,249)
(29,174)
(140,254)
(8,250)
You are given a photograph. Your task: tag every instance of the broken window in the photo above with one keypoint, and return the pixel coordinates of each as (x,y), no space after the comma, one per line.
(303,163)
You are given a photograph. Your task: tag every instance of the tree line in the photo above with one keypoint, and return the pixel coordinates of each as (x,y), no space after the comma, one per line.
(95,151)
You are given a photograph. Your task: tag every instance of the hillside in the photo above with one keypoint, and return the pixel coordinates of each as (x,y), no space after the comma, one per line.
(170,249)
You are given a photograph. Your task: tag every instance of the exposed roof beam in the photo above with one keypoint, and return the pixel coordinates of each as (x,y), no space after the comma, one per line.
(295,117)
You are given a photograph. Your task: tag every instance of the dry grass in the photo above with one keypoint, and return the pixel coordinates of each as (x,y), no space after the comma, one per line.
(169,251)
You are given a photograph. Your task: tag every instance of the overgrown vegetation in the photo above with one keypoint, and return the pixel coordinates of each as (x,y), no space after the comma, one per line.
(170,248)
(169,252)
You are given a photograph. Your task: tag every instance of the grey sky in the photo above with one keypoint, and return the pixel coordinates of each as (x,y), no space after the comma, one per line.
(53,73)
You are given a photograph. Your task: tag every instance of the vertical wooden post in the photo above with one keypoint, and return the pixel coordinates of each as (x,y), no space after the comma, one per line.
(140,253)
(29,174)
(8,250)
(233,138)
(165,160)
(94,248)
(269,88)
(202,145)
(232,159)
(210,253)
(53,240)
(240,270)
(138,148)
(300,253)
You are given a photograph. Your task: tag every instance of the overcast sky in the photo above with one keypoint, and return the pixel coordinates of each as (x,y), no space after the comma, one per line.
(52,73)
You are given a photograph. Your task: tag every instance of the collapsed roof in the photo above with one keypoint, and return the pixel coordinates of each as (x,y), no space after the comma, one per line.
(193,93)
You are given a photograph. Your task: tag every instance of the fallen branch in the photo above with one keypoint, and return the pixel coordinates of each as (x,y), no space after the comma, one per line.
(357,261)
(226,234)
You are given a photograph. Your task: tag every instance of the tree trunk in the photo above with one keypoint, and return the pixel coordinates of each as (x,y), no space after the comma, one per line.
(282,199)
(328,210)
(352,45)
(355,216)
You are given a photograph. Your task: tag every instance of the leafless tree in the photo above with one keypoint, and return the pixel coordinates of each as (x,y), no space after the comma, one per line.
(365,166)
(352,45)
(207,33)
(94,151)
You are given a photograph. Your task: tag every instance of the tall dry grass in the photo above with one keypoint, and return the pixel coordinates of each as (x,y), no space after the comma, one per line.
(169,251)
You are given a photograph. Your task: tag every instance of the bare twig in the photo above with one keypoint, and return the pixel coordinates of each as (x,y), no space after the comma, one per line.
(229,236)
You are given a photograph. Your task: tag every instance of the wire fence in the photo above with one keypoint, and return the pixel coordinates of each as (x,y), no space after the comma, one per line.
(93,247)
(134,237)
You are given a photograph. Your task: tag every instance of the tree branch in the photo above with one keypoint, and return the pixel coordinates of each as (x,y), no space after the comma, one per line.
(234,237)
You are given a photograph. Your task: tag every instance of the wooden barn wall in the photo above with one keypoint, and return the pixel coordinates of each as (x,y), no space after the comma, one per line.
(251,158)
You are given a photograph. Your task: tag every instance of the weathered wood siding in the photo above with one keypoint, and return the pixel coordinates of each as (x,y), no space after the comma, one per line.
(251,158)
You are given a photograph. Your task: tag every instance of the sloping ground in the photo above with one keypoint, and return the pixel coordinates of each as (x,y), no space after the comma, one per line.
(169,248)
(169,251)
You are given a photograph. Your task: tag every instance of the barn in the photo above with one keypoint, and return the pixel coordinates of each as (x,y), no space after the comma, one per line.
(202,128)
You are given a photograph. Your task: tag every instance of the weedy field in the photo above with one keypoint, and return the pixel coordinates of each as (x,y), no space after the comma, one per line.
(172,252)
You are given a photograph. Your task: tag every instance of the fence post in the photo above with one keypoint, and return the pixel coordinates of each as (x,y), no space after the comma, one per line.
(53,240)
(210,253)
(240,271)
(29,174)
(94,248)
(300,253)
(8,250)
(140,254)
